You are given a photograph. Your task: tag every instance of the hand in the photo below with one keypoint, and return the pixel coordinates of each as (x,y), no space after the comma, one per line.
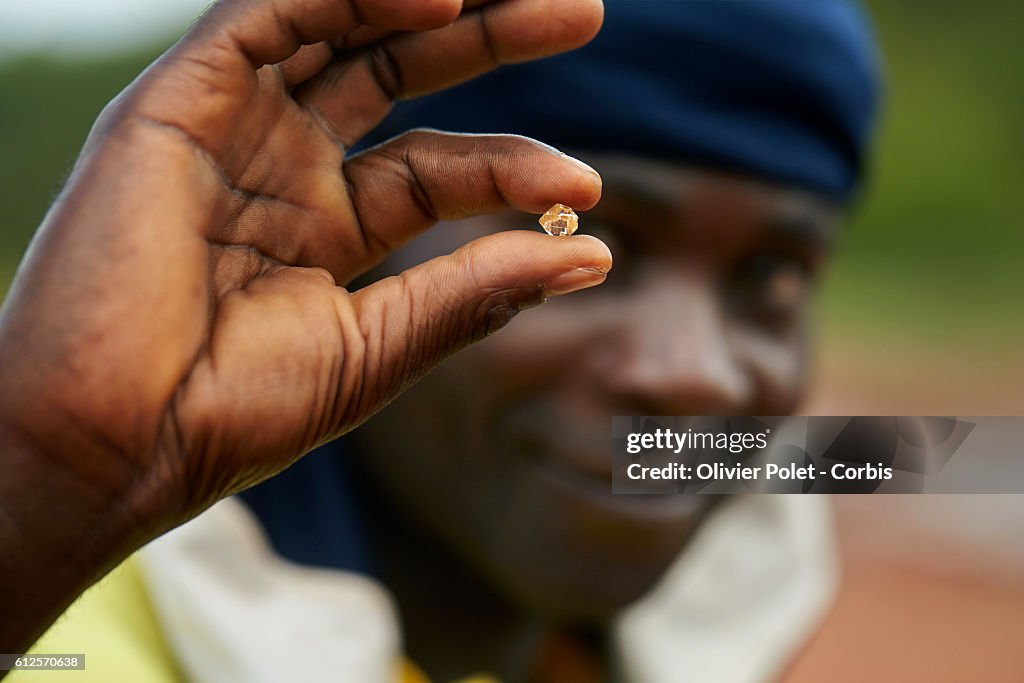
(179,330)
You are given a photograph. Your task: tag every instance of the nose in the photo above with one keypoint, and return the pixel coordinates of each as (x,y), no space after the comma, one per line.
(668,350)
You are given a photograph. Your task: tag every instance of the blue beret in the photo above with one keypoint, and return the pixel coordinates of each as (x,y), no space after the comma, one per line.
(786,90)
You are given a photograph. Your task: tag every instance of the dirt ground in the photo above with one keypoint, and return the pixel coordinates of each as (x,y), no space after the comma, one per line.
(933,585)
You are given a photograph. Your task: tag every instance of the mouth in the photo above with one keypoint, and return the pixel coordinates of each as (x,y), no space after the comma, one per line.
(576,460)
(576,453)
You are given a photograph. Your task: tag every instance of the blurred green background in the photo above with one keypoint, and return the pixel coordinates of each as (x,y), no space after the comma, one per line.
(930,267)
(937,245)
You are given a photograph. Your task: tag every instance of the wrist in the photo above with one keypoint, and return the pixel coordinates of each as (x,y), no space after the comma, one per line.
(60,531)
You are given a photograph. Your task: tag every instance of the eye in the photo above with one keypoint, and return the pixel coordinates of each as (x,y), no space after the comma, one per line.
(772,288)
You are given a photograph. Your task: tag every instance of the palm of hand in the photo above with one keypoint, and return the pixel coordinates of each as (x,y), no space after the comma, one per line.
(180,309)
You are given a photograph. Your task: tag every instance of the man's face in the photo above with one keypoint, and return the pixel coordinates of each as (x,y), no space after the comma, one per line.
(504,452)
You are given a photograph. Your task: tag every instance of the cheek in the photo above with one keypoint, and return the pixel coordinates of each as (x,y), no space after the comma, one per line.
(424,450)
(432,424)
(441,435)
(538,349)
(440,432)
(777,367)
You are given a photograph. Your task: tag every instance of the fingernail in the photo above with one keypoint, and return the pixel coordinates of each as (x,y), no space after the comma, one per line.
(574,280)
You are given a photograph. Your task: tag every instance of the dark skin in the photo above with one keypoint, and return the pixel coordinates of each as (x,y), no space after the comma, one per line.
(179,329)
(492,513)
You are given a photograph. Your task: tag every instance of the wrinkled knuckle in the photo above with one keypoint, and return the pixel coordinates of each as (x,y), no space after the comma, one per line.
(495,315)
(385,70)
(499,308)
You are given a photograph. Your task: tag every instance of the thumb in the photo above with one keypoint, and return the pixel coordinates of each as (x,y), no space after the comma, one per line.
(414,320)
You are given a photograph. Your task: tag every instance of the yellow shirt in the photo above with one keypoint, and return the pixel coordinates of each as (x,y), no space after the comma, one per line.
(114,625)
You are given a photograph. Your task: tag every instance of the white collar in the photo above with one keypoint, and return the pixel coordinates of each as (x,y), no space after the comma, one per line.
(734,607)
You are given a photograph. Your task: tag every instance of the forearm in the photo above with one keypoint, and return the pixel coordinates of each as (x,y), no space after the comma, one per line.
(59,533)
